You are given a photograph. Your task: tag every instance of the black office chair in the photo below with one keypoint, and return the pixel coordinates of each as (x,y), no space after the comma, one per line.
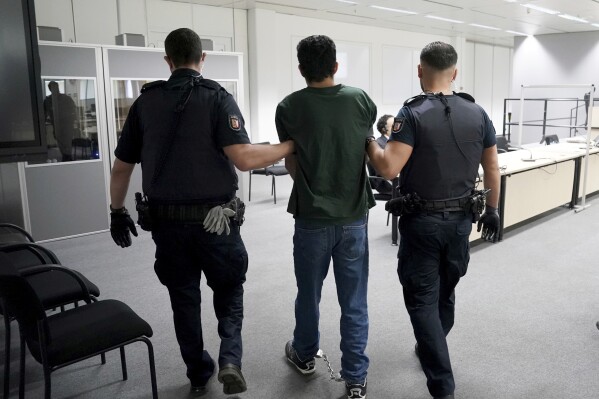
(551,139)
(54,289)
(76,334)
(274,171)
(502,144)
(10,233)
(388,190)
(383,188)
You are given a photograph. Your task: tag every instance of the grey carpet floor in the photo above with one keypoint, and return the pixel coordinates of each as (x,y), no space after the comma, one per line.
(525,321)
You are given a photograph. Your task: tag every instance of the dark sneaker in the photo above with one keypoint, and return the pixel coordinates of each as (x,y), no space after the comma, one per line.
(199,387)
(197,391)
(232,379)
(355,391)
(303,366)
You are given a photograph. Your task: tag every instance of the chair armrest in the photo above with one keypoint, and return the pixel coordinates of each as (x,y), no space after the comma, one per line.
(19,229)
(58,268)
(36,249)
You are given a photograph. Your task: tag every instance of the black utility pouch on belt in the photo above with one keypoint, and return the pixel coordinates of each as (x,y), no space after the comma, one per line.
(144,219)
(239,207)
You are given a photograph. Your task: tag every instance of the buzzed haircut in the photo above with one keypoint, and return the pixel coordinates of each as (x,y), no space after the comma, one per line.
(439,56)
(183,46)
(317,56)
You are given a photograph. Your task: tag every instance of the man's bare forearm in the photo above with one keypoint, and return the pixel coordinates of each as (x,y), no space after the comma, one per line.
(255,156)
(119,183)
(491,180)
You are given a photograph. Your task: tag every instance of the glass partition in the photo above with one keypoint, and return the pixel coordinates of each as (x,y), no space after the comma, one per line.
(125,92)
(70,121)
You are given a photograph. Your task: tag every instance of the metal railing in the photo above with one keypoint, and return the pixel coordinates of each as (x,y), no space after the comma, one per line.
(572,119)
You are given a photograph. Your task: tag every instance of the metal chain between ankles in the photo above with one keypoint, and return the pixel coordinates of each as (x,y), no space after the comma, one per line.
(334,376)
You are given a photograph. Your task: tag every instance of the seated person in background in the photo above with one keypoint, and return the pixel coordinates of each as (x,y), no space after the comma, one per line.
(383,125)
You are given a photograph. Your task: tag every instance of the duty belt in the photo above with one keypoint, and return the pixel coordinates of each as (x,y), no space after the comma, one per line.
(451,205)
(195,213)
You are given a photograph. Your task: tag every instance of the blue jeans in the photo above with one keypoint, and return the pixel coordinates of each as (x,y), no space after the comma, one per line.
(314,247)
(433,256)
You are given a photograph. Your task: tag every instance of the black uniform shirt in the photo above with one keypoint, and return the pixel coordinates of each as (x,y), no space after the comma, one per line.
(438,167)
(196,169)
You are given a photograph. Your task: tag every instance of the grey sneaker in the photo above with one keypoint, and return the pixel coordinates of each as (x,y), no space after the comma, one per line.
(355,391)
(305,367)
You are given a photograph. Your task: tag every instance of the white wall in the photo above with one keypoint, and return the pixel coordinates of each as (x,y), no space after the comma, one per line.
(486,75)
(389,74)
(571,58)
(273,63)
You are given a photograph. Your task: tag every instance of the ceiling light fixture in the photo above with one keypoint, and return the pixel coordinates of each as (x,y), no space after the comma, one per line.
(573,18)
(484,26)
(517,33)
(455,21)
(394,10)
(595,25)
(541,9)
(347,2)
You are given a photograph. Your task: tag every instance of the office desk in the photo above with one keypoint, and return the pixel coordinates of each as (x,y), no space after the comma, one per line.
(530,188)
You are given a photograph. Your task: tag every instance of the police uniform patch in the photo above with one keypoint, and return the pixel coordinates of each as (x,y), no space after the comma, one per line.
(234,122)
(397,125)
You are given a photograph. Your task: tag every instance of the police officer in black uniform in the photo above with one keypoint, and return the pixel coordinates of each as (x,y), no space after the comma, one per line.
(438,140)
(188,134)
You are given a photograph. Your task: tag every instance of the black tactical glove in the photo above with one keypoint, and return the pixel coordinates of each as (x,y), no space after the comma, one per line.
(395,206)
(489,221)
(120,226)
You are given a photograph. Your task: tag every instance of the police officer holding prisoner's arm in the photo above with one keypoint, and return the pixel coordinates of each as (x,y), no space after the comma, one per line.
(188,133)
(438,140)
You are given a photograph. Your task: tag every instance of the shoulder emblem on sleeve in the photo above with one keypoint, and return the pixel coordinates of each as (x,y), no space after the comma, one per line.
(413,99)
(397,125)
(152,85)
(234,123)
(465,96)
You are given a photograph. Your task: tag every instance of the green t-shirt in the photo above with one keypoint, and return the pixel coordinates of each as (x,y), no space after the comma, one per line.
(329,126)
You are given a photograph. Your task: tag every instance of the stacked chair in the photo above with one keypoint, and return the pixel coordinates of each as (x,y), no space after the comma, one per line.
(32,282)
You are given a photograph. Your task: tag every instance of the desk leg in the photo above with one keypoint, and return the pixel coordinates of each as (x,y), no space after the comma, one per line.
(502,205)
(576,186)
(394,231)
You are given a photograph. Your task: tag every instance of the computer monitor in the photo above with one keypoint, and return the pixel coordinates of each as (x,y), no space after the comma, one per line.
(21,109)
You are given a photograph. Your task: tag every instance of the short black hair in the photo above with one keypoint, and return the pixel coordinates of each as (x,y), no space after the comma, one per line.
(439,55)
(53,84)
(317,56)
(183,46)
(381,125)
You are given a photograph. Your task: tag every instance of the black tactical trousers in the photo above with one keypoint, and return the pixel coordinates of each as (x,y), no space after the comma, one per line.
(433,255)
(183,252)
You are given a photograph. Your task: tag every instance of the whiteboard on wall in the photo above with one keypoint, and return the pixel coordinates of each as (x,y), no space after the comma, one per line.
(354,65)
(400,76)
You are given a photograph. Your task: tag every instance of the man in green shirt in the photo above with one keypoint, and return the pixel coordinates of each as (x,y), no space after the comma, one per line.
(329,201)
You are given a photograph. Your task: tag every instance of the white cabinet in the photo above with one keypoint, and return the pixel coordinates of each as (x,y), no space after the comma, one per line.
(95,21)
(56,13)
(132,16)
(165,16)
